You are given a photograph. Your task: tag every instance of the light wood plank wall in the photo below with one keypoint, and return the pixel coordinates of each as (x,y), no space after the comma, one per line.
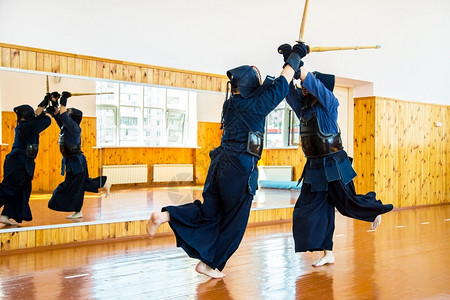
(34,59)
(400,153)
(208,137)
(285,157)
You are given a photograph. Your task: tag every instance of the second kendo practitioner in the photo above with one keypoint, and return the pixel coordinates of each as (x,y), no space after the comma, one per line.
(19,165)
(212,231)
(328,173)
(69,195)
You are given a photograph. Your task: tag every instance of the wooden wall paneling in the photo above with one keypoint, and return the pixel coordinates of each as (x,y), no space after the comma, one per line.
(426,180)
(147,75)
(63,64)
(446,160)
(85,68)
(412,143)
(92,69)
(419,144)
(56,63)
(409,153)
(155,76)
(437,153)
(285,157)
(23,60)
(6,57)
(71,65)
(364,144)
(1,56)
(100,69)
(41,179)
(139,74)
(47,65)
(131,73)
(28,60)
(209,135)
(39,61)
(52,61)
(386,185)
(78,67)
(15,58)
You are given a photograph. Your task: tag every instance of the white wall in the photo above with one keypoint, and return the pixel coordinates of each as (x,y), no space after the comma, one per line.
(18,88)
(209,107)
(214,36)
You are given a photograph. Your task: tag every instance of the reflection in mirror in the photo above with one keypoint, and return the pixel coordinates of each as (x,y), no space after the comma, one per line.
(145,116)
(121,128)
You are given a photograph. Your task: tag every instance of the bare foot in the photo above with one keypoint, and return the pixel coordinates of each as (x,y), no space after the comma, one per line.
(107,188)
(75,215)
(327,258)
(204,269)
(376,223)
(5,220)
(156,219)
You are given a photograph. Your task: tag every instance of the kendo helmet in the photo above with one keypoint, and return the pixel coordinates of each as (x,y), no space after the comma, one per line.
(246,78)
(75,114)
(25,112)
(327,80)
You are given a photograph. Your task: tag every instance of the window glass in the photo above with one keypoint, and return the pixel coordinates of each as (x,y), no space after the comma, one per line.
(107,88)
(153,126)
(154,96)
(129,125)
(143,115)
(106,122)
(282,127)
(274,131)
(130,94)
(175,127)
(294,129)
(177,99)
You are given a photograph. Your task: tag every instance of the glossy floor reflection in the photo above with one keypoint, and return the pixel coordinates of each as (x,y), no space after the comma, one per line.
(137,203)
(406,258)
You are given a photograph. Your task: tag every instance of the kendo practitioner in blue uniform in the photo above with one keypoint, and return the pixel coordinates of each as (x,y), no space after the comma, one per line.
(328,173)
(69,195)
(19,165)
(212,231)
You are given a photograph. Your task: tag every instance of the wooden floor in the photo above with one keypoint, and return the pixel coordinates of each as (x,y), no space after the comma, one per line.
(138,203)
(406,258)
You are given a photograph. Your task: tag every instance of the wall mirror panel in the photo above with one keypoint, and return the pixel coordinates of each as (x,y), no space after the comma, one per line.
(127,124)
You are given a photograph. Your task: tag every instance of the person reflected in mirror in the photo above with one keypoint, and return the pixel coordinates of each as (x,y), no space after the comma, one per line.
(212,231)
(69,195)
(328,173)
(19,165)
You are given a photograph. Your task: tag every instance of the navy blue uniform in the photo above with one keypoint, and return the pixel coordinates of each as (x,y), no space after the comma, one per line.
(69,195)
(212,231)
(15,189)
(327,180)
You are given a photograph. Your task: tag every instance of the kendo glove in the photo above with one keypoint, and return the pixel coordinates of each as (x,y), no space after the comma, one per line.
(301,48)
(54,100)
(295,61)
(50,110)
(285,50)
(64,97)
(44,103)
